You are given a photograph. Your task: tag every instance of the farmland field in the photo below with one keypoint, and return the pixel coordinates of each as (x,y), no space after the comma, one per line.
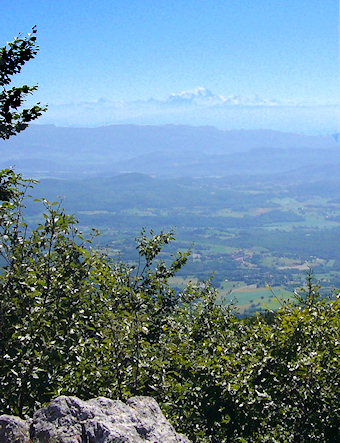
(250,234)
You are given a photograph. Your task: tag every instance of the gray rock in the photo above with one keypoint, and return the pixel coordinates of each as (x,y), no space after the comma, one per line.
(99,420)
(14,429)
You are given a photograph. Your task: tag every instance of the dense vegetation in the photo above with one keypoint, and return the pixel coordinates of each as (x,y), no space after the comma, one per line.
(75,322)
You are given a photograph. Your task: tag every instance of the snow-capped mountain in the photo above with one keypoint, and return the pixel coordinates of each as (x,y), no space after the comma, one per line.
(198,96)
(204,97)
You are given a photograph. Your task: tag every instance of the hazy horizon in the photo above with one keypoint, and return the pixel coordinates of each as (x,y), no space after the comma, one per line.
(231,65)
(300,131)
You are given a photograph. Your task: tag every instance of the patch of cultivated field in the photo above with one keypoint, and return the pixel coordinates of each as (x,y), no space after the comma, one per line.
(259,211)
(182,282)
(251,297)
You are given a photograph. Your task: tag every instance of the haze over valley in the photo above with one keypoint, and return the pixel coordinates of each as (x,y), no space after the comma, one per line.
(256,208)
(164,151)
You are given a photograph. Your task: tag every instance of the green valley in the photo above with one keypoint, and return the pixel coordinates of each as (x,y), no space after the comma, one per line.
(245,232)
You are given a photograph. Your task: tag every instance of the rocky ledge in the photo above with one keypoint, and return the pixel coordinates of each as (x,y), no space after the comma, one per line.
(99,420)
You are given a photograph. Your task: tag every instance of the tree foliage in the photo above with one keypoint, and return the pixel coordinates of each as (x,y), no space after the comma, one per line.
(13,119)
(12,58)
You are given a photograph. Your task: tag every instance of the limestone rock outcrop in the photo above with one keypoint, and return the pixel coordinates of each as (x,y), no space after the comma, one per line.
(14,429)
(99,420)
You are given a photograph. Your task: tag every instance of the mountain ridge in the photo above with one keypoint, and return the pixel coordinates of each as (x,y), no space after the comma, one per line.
(45,150)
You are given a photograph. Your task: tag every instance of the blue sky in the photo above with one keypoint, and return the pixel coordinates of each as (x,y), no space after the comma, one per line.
(259,63)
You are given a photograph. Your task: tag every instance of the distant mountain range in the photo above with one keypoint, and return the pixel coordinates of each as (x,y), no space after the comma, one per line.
(168,151)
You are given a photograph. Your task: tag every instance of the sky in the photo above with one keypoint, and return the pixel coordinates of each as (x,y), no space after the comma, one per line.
(227,63)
